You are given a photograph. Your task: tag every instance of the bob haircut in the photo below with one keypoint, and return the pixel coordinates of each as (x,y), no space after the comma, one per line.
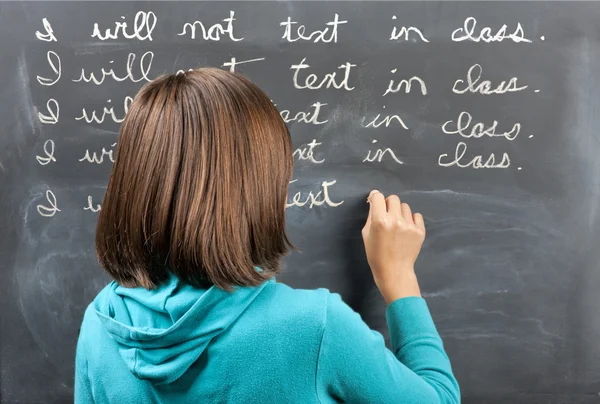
(199,185)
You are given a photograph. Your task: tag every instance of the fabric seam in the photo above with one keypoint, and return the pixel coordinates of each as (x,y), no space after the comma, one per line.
(320,348)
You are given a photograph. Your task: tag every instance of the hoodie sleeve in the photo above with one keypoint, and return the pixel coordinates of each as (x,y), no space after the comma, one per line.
(354,364)
(83,389)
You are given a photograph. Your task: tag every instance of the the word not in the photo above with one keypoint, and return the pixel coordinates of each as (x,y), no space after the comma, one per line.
(467,33)
(143,25)
(320,198)
(310,117)
(54,62)
(48,36)
(473,85)
(394,87)
(385,121)
(145,64)
(315,36)
(461,127)
(98,158)
(50,209)
(475,162)
(307,152)
(53,112)
(214,32)
(328,81)
(49,151)
(94,208)
(380,154)
(405,32)
(106,112)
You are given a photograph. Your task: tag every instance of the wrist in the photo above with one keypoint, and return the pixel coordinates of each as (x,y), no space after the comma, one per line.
(405,284)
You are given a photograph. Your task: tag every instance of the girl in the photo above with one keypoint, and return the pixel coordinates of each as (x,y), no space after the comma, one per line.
(192,232)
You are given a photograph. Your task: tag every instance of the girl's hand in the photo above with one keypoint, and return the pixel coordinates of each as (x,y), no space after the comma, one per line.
(393,237)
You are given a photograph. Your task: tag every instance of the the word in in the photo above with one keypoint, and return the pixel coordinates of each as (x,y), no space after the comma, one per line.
(387,121)
(407,84)
(99,158)
(315,36)
(48,211)
(145,63)
(49,151)
(311,117)
(54,62)
(485,87)
(478,130)
(467,33)
(49,35)
(143,25)
(476,162)
(214,32)
(405,32)
(307,152)
(53,112)
(380,154)
(321,198)
(110,112)
(328,81)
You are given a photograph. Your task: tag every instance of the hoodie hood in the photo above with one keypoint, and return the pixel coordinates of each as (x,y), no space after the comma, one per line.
(162,332)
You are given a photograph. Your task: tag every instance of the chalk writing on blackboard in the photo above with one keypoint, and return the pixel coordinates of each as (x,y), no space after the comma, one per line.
(214,32)
(54,62)
(327,81)
(48,36)
(473,85)
(143,25)
(144,64)
(404,33)
(467,33)
(323,35)
(379,154)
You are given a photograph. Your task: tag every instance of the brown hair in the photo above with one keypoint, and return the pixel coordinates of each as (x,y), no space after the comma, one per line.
(199,184)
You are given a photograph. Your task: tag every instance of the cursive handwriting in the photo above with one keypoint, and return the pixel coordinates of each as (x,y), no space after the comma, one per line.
(54,62)
(49,151)
(307,152)
(311,117)
(386,120)
(478,130)
(48,211)
(110,112)
(405,32)
(91,206)
(467,33)
(380,154)
(484,87)
(315,36)
(99,158)
(328,81)
(214,32)
(143,25)
(145,63)
(53,112)
(233,63)
(475,162)
(321,198)
(49,35)
(407,84)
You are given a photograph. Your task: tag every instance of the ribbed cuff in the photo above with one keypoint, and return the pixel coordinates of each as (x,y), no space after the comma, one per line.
(407,318)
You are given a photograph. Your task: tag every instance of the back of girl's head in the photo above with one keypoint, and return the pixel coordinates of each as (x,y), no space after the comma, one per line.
(199,184)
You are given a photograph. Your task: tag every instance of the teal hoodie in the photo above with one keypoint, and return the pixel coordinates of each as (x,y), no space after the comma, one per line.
(265,344)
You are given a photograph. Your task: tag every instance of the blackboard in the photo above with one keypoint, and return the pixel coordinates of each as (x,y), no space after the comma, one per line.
(510,267)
